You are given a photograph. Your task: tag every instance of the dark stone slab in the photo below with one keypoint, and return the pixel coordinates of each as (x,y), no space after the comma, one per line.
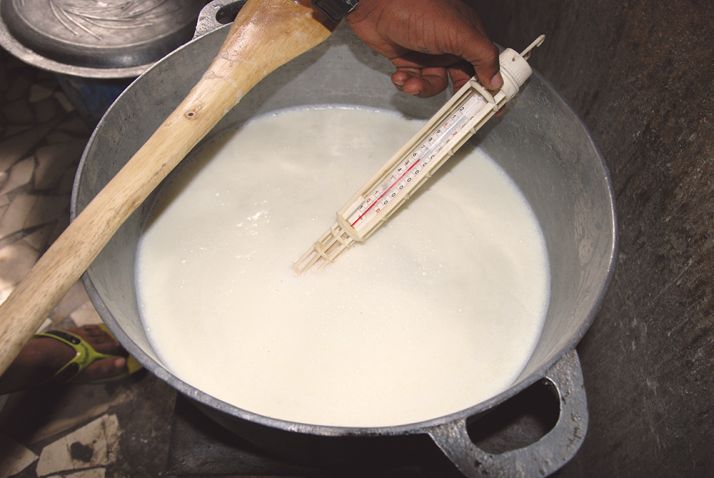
(641,75)
(201,447)
(145,424)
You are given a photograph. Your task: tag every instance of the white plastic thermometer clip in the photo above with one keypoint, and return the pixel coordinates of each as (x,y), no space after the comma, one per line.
(469,109)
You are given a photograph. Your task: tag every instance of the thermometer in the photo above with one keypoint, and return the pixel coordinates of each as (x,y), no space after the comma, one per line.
(469,109)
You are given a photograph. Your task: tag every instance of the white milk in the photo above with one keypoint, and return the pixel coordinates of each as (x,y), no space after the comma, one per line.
(439,310)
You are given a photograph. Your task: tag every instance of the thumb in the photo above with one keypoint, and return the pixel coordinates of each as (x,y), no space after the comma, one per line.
(478,50)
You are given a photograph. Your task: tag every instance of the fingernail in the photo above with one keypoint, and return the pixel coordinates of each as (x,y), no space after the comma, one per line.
(398,81)
(412,90)
(120,362)
(496,81)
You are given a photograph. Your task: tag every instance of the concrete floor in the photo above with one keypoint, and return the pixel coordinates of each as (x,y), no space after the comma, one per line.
(79,431)
(641,76)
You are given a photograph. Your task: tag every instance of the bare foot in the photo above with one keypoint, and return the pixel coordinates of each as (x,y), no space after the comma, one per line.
(42,357)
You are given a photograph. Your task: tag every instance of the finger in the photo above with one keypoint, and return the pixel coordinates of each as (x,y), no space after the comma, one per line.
(482,54)
(410,66)
(105,368)
(435,81)
(413,86)
(90,329)
(99,340)
(460,74)
(400,77)
(423,82)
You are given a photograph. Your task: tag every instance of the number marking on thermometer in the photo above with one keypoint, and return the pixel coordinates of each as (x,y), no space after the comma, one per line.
(411,170)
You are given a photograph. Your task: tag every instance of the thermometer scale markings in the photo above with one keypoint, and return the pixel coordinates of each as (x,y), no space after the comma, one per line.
(422,155)
(444,133)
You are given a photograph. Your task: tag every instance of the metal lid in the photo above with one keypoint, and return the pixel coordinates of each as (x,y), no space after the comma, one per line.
(96,38)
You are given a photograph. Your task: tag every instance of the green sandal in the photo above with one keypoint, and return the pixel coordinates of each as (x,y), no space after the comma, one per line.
(85,356)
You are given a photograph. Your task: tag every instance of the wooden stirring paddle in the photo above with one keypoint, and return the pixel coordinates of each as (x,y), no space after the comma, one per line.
(266,34)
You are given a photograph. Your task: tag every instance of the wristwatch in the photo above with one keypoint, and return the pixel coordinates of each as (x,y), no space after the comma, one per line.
(336,9)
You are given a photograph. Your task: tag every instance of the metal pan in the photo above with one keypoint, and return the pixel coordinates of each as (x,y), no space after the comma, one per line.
(540,143)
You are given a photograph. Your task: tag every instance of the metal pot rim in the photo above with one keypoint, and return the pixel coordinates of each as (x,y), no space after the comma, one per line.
(8,41)
(335,431)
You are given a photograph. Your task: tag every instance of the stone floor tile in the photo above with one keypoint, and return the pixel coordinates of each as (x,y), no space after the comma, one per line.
(58,137)
(74,125)
(16,260)
(48,209)
(15,215)
(93,445)
(17,112)
(39,92)
(47,109)
(91,473)
(19,86)
(29,210)
(85,315)
(4,294)
(16,147)
(45,326)
(46,79)
(13,457)
(53,160)
(66,183)
(75,298)
(63,324)
(37,416)
(64,102)
(19,175)
(13,129)
(39,239)
(4,83)
(59,228)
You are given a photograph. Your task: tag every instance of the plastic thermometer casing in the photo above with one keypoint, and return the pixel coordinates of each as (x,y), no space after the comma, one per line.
(469,109)
(412,165)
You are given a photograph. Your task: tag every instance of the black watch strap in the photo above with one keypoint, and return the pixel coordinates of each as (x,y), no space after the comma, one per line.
(336,9)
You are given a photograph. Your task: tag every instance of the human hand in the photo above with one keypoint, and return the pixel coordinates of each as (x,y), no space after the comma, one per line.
(428,41)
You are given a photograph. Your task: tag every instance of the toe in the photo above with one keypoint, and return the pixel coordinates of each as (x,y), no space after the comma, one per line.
(101,340)
(103,369)
(91,330)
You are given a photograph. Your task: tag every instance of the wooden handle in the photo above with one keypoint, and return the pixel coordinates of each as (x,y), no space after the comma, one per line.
(266,34)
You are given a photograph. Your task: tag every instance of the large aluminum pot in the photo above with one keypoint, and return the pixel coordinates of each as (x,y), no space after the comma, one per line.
(540,142)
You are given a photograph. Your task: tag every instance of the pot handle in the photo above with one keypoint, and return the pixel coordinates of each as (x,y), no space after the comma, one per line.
(539,459)
(210,16)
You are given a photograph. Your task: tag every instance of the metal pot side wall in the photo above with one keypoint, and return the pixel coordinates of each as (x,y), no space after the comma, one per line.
(541,143)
